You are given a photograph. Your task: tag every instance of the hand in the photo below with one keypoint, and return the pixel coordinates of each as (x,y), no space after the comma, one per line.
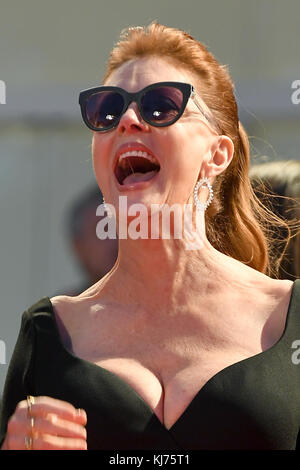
(56,425)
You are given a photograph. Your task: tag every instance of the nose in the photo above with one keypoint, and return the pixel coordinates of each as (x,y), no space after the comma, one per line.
(131,120)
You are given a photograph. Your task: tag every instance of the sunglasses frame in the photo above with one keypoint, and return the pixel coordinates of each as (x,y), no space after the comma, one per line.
(188,91)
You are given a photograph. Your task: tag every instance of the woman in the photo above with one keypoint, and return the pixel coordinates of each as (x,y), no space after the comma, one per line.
(177,347)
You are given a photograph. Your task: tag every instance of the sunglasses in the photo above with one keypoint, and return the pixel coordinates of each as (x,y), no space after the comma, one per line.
(159,104)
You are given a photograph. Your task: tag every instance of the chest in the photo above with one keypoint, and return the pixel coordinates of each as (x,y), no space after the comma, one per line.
(167,389)
(169,370)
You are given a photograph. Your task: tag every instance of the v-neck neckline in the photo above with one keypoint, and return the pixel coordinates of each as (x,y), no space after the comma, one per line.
(207,384)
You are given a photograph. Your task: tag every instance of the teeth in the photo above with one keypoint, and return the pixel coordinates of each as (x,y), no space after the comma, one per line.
(135,153)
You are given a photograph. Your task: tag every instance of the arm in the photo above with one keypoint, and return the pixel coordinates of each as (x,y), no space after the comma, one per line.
(57,424)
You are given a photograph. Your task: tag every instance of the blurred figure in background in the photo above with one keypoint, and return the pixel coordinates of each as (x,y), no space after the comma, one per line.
(95,257)
(277,184)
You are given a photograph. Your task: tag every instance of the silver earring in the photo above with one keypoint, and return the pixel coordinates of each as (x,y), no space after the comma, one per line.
(201,205)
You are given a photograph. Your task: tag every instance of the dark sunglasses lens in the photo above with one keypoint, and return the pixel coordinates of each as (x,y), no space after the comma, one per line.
(161,105)
(104,108)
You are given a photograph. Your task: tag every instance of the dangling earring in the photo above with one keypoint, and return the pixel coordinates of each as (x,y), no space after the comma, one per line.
(201,205)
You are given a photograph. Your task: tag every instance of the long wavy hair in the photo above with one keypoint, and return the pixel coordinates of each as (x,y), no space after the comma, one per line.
(277,184)
(237,223)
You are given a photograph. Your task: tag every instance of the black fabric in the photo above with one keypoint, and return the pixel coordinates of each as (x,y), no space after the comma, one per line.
(252,404)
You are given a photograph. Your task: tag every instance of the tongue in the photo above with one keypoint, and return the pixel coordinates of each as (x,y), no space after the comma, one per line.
(137,177)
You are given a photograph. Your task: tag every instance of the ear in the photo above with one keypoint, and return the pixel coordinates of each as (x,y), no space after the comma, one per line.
(219,156)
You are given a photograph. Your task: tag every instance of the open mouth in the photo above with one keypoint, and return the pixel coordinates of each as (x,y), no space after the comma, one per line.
(136,166)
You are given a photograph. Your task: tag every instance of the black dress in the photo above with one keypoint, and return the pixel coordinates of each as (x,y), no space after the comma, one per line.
(252,404)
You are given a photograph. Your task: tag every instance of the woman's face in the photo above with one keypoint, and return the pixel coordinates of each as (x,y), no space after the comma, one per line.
(180,148)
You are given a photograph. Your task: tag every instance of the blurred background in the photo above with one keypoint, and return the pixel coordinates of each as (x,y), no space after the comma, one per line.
(49,51)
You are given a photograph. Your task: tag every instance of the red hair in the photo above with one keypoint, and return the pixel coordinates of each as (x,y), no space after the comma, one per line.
(237,223)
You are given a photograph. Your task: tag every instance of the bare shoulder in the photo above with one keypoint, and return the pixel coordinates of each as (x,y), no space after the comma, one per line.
(281,289)
(286,293)
(68,310)
(62,304)
(66,305)
(73,314)
(65,309)
(279,294)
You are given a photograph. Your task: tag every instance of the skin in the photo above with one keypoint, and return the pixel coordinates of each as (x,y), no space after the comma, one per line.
(208,155)
(187,150)
(57,426)
(157,288)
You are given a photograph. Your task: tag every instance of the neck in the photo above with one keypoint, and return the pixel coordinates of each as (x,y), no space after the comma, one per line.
(162,275)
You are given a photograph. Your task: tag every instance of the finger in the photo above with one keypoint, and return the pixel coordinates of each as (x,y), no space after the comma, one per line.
(46,442)
(51,424)
(47,405)
(49,442)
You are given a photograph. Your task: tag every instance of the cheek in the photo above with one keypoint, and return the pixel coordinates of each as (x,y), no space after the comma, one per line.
(97,152)
(100,158)
(186,154)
